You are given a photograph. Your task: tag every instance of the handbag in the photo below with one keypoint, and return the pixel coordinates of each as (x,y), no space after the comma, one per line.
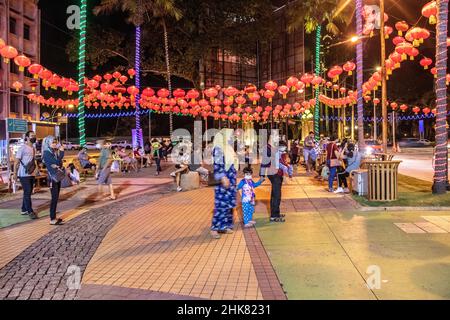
(335,163)
(59,175)
(115,166)
(212,181)
(30,167)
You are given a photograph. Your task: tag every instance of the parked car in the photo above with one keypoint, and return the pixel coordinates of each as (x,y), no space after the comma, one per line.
(414,143)
(91,146)
(122,144)
(70,146)
(371,147)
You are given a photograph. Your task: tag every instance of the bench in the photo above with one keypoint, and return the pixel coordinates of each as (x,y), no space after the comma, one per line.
(84,172)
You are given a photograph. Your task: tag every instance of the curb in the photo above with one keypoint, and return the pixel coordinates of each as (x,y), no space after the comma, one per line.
(369,209)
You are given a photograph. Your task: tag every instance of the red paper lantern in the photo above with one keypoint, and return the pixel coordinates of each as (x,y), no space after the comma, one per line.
(334,73)
(430,11)
(426,110)
(192,94)
(348,67)
(306,79)
(108,77)
(397,40)
(17,85)
(131,73)
(283,90)
(269,94)
(163,93)
(230,91)
(291,82)
(22,61)
(179,93)
(35,69)
(388,31)
(211,93)
(416,109)
(401,27)
(240,100)
(271,85)
(8,52)
(426,62)
(116,75)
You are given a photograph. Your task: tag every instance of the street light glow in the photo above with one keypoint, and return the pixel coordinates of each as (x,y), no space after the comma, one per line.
(354,39)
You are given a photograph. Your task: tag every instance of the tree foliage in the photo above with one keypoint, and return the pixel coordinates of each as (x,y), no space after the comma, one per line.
(205,25)
(311,13)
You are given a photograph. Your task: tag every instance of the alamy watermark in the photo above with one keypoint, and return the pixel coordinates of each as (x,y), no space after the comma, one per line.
(74,280)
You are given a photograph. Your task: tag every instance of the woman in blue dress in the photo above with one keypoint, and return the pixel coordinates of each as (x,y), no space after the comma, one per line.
(225,164)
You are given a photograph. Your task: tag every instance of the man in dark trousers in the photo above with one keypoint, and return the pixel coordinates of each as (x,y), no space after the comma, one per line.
(270,165)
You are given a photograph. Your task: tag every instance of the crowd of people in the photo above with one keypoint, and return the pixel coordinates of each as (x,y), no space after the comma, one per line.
(277,161)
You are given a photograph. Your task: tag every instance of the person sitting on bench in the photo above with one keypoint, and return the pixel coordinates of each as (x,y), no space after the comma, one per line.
(83,157)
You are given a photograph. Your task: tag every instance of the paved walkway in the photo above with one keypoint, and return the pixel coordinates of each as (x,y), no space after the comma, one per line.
(328,249)
(156,245)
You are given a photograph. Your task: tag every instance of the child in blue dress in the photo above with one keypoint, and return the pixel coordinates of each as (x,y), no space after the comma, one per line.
(248,196)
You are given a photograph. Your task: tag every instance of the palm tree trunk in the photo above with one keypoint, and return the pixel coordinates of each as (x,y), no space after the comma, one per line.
(137,67)
(169,81)
(441,162)
(359,74)
(317,71)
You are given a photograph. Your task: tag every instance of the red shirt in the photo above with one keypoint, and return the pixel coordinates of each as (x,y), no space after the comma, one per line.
(331,148)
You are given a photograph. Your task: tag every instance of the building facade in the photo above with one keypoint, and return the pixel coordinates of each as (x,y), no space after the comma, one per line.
(20,28)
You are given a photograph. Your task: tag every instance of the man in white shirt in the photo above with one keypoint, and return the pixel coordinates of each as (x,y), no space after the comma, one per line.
(25,169)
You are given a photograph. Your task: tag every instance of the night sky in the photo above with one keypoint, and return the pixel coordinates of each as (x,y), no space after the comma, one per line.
(409,84)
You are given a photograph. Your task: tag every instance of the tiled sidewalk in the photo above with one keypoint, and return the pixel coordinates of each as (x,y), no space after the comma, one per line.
(165,247)
(16,238)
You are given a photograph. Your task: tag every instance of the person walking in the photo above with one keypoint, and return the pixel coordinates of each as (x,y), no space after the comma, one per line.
(294,152)
(308,146)
(52,156)
(157,155)
(226,164)
(248,186)
(25,168)
(332,161)
(104,167)
(270,167)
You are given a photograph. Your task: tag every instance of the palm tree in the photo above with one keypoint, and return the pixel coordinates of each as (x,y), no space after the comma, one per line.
(359,73)
(137,10)
(313,14)
(441,154)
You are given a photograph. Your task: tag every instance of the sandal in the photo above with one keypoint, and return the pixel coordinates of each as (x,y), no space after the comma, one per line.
(112,198)
(215,234)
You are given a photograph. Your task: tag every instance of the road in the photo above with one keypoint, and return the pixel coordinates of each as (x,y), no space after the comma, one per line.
(417,163)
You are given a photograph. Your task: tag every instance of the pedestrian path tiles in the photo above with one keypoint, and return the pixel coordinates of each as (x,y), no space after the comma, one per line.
(433,224)
(166,247)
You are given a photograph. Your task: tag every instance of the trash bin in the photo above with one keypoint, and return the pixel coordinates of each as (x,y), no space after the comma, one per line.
(383,180)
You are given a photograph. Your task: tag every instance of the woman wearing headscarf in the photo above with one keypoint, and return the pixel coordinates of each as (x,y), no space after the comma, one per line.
(104,167)
(225,165)
(52,156)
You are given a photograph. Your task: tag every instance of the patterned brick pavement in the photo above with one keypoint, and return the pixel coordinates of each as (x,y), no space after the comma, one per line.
(39,272)
(165,247)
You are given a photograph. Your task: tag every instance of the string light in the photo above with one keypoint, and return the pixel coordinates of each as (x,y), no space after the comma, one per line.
(316,109)
(81,72)
(359,72)
(441,163)
(138,83)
